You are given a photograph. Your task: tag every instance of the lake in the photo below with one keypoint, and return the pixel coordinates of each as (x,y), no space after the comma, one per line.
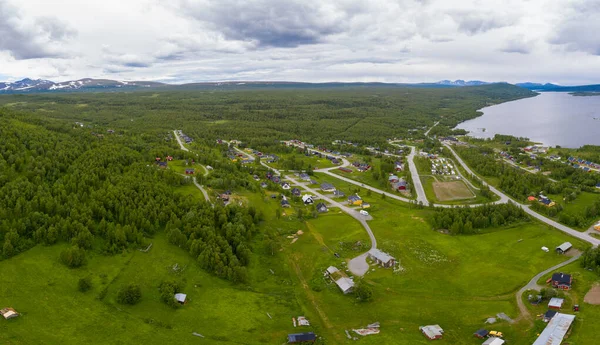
(552,118)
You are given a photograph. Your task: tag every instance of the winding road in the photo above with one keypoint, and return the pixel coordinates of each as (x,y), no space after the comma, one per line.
(358,265)
(194,179)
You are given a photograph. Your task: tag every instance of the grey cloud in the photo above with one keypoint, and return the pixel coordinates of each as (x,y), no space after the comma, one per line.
(273,23)
(518,46)
(476,22)
(578,31)
(30,41)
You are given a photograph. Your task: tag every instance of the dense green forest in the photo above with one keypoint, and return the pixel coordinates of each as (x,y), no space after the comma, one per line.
(470,220)
(79,168)
(103,194)
(263,117)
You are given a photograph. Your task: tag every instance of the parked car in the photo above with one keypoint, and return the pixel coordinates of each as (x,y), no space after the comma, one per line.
(363,212)
(495,334)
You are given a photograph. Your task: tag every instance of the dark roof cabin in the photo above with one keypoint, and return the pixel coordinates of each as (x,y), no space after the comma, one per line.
(296,338)
(482,333)
(321,207)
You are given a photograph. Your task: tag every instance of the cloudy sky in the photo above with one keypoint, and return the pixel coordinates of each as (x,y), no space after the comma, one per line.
(301,40)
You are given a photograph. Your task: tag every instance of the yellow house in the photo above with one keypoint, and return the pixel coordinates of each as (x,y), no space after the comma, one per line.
(597,227)
(355,200)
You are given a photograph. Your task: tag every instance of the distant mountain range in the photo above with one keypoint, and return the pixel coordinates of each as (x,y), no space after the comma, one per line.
(559,88)
(39,85)
(90,85)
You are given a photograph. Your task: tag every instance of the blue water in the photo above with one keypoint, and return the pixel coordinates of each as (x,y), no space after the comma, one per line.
(552,118)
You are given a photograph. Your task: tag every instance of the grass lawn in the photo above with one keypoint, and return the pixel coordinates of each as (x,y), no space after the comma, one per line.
(54,312)
(454,281)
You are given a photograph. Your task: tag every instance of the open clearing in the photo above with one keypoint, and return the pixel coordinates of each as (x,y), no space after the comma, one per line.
(455,190)
(593,296)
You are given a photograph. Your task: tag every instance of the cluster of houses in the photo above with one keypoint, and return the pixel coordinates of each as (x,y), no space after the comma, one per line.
(397,183)
(583,164)
(428,155)
(237,156)
(163,163)
(184,137)
(361,167)
(536,149)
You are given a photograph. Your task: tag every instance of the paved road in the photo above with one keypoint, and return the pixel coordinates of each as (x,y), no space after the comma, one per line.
(179,141)
(417,184)
(533,285)
(376,190)
(202,190)
(429,130)
(358,266)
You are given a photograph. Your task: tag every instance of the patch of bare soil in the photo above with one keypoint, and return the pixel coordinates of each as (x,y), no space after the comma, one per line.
(593,296)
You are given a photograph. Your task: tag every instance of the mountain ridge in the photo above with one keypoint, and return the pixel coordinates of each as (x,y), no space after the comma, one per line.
(28,85)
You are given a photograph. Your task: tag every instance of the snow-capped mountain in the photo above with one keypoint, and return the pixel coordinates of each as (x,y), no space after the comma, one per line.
(460,82)
(87,84)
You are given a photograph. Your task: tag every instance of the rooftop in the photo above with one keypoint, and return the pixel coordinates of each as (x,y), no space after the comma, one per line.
(556,302)
(379,255)
(556,330)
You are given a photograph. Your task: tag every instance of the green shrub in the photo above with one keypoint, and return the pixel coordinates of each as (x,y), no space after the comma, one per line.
(85,284)
(129,294)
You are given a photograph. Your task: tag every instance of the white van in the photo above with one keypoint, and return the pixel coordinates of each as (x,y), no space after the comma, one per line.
(363,212)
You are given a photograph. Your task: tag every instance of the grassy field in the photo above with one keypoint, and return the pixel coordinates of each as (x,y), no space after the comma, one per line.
(454,281)
(455,190)
(54,312)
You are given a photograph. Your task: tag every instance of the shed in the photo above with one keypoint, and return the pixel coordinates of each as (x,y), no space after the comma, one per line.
(432,331)
(563,248)
(482,333)
(549,315)
(331,270)
(556,330)
(190,171)
(9,313)
(345,284)
(493,341)
(556,303)
(297,338)
(181,297)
